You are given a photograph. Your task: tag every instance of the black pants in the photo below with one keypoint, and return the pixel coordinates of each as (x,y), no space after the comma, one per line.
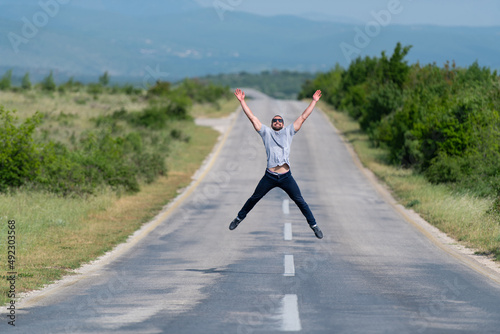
(285,182)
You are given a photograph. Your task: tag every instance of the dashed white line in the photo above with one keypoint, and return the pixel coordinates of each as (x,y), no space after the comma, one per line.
(288,231)
(289,266)
(291,318)
(286,206)
(290,309)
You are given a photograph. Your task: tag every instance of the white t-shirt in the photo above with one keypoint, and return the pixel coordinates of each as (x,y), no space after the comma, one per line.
(277,144)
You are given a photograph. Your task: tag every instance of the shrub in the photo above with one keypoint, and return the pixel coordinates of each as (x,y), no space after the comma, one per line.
(48,83)
(444,169)
(154,117)
(354,101)
(95,89)
(179,135)
(443,122)
(161,88)
(150,165)
(395,69)
(385,100)
(72,86)
(19,156)
(328,82)
(199,91)
(6,81)
(104,79)
(131,90)
(100,160)
(61,174)
(178,107)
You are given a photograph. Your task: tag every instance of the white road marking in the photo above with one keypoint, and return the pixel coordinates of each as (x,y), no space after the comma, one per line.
(289,266)
(288,231)
(290,310)
(291,318)
(286,206)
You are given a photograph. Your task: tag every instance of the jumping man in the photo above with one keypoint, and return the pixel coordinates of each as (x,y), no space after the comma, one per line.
(277,141)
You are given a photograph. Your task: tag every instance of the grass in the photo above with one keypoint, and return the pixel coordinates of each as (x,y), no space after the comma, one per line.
(221,109)
(463,216)
(56,234)
(67,115)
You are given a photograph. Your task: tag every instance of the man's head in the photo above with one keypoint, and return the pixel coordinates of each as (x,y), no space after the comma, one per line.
(277,123)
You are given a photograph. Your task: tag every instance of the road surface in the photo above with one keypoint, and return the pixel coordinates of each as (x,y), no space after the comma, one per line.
(374,272)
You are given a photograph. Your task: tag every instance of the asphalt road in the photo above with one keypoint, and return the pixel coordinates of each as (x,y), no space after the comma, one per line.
(374,272)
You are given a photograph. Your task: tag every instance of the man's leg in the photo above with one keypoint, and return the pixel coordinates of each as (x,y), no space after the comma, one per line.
(265,184)
(289,185)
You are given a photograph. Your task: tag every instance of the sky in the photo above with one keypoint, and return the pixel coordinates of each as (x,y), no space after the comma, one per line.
(409,12)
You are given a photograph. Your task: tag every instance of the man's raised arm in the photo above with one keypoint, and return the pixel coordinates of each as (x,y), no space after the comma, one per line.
(240,95)
(302,118)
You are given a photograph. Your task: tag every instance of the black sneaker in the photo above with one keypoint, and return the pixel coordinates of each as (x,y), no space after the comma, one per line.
(234,224)
(316,230)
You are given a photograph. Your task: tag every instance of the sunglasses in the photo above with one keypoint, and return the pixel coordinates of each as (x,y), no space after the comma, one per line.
(279,120)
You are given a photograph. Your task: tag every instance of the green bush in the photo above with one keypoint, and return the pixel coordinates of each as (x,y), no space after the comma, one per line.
(61,174)
(48,83)
(19,155)
(157,115)
(72,86)
(95,89)
(178,107)
(131,90)
(161,88)
(444,169)
(100,160)
(6,81)
(395,69)
(443,122)
(200,91)
(328,83)
(383,101)
(154,117)
(150,165)
(104,79)
(354,100)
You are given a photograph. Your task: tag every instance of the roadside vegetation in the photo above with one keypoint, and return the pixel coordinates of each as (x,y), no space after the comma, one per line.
(84,166)
(431,133)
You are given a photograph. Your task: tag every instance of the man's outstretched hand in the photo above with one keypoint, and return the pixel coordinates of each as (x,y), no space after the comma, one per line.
(317,95)
(240,95)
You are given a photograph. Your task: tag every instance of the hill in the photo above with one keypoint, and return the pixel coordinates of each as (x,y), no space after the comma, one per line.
(170,40)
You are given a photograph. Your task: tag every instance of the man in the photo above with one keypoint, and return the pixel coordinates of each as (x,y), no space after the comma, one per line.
(277,141)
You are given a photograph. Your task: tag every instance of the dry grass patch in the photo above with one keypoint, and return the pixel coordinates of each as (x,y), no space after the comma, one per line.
(222,109)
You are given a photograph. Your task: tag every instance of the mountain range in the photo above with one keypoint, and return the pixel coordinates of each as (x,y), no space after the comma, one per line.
(168,40)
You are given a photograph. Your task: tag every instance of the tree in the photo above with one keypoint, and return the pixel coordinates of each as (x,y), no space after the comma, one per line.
(48,83)
(161,88)
(104,79)
(6,81)
(19,157)
(396,69)
(26,83)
